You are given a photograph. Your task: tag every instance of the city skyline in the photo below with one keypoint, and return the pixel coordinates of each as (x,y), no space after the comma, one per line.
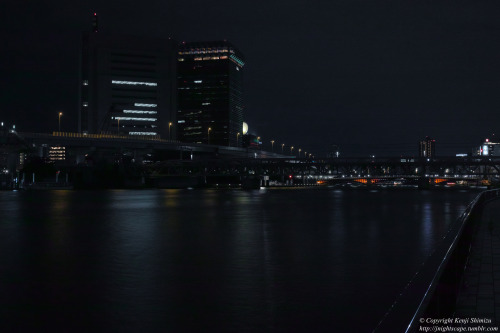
(372,78)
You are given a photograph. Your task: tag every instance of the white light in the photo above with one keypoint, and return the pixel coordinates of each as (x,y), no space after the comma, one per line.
(245,128)
(146,105)
(198,81)
(135,83)
(181,121)
(142,133)
(139,111)
(136,119)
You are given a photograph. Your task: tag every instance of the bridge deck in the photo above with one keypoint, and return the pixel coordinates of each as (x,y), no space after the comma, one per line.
(479,295)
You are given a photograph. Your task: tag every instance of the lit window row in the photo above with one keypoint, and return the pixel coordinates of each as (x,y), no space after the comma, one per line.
(145,105)
(237,60)
(135,83)
(135,119)
(142,133)
(198,81)
(207,103)
(204,51)
(140,111)
(181,121)
(209,58)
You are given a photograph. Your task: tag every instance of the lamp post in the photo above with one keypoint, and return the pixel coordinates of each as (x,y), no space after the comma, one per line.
(299,151)
(169,133)
(291,150)
(60,114)
(282,146)
(237,139)
(272,146)
(118,126)
(208,132)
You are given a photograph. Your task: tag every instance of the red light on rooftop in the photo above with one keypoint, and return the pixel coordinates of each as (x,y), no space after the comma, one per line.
(95,14)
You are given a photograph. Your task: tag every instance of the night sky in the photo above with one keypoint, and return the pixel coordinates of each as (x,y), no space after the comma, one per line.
(374,77)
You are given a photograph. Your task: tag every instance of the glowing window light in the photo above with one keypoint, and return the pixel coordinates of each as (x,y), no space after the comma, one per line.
(146,105)
(135,119)
(135,83)
(198,81)
(181,121)
(140,111)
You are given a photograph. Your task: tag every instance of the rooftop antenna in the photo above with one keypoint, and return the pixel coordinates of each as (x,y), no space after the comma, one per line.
(94,22)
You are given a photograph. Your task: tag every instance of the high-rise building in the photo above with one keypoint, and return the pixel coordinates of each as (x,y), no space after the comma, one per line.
(427,148)
(210,95)
(127,84)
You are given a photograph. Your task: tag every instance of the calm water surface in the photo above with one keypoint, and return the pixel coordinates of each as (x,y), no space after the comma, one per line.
(206,260)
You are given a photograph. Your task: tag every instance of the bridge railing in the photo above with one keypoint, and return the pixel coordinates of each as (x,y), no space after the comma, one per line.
(432,292)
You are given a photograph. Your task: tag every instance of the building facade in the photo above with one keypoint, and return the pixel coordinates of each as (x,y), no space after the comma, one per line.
(210,93)
(127,85)
(427,148)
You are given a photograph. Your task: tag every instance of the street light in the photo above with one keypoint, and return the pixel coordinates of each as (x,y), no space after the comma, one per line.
(118,118)
(60,114)
(291,149)
(299,151)
(282,146)
(237,139)
(169,134)
(209,129)
(272,146)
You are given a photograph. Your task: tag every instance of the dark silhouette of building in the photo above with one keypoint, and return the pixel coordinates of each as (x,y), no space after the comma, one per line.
(210,96)
(127,84)
(427,148)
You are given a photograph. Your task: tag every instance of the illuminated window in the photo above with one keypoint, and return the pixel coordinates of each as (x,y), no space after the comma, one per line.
(135,119)
(85,82)
(135,83)
(145,105)
(140,111)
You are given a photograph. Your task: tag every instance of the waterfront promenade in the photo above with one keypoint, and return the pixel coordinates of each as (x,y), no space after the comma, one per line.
(479,294)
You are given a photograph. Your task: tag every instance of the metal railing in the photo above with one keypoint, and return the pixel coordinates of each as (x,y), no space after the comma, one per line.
(433,290)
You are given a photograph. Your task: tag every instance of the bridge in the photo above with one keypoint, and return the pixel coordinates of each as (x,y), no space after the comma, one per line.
(160,157)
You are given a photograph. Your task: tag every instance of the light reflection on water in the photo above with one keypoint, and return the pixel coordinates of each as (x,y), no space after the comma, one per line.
(179,260)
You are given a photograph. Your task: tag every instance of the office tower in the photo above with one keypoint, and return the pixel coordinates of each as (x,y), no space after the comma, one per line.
(427,148)
(210,96)
(127,84)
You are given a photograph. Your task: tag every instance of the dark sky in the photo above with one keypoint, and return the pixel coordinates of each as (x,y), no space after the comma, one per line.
(372,76)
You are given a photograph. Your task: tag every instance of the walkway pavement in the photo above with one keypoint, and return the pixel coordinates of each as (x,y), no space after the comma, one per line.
(479,296)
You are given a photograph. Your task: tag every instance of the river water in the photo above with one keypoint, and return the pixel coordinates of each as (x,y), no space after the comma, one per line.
(282,260)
